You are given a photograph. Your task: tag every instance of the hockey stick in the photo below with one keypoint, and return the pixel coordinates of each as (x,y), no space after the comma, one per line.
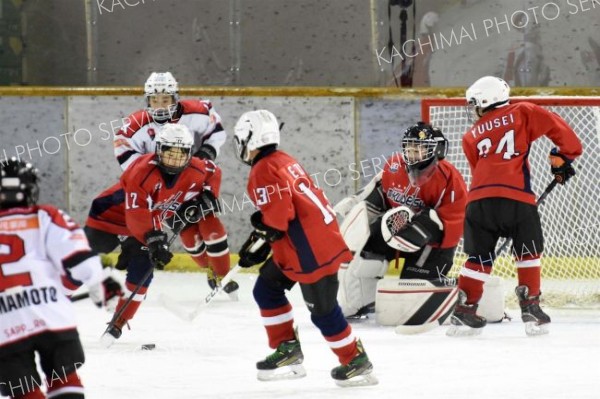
(178,311)
(539,202)
(139,286)
(185,314)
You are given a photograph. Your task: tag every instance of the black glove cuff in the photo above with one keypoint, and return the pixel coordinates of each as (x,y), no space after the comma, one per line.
(206,152)
(268,233)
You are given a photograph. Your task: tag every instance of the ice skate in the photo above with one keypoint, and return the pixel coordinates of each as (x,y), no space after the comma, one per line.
(283,364)
(536,321)
(231,288)
(363,313)
(359,372)
(112,333)
(465,321)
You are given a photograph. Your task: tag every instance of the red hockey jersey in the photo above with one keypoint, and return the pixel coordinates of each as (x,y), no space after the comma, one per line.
(497,148)
(151,196)
(312,246)
(445,191)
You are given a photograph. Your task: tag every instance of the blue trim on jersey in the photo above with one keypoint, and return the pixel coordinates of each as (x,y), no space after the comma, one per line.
(125,156)
(501,185)
(526,173)
(102,204)
(308,260)
(333,323)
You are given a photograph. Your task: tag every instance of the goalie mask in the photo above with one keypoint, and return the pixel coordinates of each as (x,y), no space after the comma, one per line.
(485,94)
(422,146)
(162,94)
(254,130)
(174,148)
(18,184)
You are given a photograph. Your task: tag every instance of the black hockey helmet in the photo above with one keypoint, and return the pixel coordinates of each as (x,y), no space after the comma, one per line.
(422,146)
(18,184)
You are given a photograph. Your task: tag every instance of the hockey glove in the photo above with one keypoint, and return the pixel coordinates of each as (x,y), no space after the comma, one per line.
(192,211)
(104,292)
(254,251)
(156,241)
(424,228)
(206,152)
(267,233)
(560,166)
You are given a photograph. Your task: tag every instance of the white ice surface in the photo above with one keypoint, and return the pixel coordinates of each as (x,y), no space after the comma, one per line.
(214,357)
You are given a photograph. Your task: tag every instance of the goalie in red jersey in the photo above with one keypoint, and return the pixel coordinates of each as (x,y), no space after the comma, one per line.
(501,202)
(296,223)
(413,209)
(173,188)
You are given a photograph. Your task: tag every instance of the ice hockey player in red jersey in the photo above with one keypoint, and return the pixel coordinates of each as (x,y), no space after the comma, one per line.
(295,221)
(166,188)
(501,202)
(44,255)
(415,208)
(106,226)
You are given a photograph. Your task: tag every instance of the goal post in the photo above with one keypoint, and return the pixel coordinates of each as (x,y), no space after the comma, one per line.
(570,214)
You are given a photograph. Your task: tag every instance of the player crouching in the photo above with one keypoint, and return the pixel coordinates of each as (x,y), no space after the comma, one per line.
(413,209)
(172,186)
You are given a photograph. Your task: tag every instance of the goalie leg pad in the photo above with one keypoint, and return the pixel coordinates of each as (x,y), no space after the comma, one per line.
(355,227)
(358,283)
(491,304)
(413,302)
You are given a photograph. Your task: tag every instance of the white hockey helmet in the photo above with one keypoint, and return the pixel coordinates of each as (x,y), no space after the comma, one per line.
(254,130)
(161,83)
(487,93)
(174,147)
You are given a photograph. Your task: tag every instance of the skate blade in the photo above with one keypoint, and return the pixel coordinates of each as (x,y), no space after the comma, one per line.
(462,331)
(533,330)
(107,340)
(290,372)
(361,380)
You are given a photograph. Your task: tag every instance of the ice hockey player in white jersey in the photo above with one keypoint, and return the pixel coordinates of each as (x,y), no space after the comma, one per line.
(105,225)
(44,255)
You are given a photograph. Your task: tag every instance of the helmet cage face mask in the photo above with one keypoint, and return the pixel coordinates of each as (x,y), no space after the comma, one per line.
(161,83)
(18,184)
(161,114)
(174,148)
(241,147)
(486,93)
(421,147)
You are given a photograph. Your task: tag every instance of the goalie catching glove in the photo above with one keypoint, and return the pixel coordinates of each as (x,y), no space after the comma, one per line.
(560,166)
(156,241)
(406,232)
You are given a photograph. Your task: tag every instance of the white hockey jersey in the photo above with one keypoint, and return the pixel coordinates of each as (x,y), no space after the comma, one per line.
(42,252)
(136,136)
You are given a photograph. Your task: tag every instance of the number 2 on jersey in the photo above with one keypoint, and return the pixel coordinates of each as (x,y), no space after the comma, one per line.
(16,250)
(506,144)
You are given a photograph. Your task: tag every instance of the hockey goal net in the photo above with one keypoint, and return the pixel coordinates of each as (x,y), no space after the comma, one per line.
(570,214)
